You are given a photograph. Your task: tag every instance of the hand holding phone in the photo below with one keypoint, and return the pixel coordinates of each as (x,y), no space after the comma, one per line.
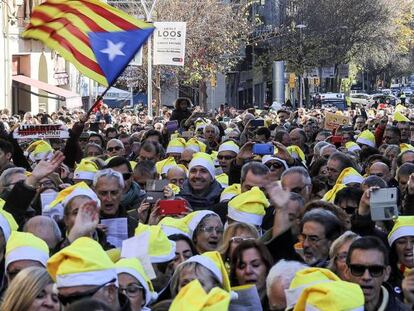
(172,207)
(263,149)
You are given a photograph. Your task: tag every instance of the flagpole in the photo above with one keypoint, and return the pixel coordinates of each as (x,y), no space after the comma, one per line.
(100,97)
(148,15)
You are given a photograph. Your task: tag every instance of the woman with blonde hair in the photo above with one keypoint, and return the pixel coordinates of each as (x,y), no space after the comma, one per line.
(31,290)
(233,235)
(339,251)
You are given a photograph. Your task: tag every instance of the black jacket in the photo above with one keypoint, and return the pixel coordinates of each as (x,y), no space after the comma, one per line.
(199,202)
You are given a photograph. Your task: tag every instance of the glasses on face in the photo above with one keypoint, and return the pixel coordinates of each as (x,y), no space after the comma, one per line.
(67,300)
(239,239)
(219,230)
(350,210)
(225,157)
(132,290)
(375,270)
(312,239)
(274,166)
(126,176)
(110,149)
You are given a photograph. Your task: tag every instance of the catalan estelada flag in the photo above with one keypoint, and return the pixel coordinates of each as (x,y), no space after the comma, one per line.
(97,38)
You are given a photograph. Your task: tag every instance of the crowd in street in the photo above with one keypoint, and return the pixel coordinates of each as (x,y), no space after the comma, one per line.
(222,210)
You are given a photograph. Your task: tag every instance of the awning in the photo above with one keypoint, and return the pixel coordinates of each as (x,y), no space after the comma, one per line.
(72,99)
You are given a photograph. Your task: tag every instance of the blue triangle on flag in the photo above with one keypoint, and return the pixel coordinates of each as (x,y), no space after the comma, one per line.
(114,50)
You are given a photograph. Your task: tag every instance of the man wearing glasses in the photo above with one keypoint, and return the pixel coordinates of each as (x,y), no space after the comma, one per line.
(115,148)
(368,266)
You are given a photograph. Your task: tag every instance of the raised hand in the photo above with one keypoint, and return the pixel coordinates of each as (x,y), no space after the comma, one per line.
(45,168)
(86,220)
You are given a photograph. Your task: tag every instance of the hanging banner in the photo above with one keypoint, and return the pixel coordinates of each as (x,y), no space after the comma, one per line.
(169,43)
(39,131)
(328,72)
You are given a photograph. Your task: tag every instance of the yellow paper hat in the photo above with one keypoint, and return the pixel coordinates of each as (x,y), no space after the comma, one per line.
(403,226)
(229,146)
(349,175)
(176,145)
(205,160)
(160,249)
(163,166)
(86,169)
(174,135)
(193,219)
(399,117)
(84,262)
(405,147)
(134,267)
(133,164)
(230,192)
(200,124)
(213,262)
(331,194)
(352,147)
(172,225)
(296,152)
(248,207)
(7,223)
(336,295)
(114,254)
(366,138)
(223,180)
(26,246)
(305,278)
(39,150)
(196,145)
(400,108)
(75,190)
(193,297)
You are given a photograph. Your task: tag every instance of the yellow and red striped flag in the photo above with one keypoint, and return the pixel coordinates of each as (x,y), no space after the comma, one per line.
(97,38)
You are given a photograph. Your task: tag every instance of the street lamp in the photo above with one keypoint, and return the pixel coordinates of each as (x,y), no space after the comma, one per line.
(300,27)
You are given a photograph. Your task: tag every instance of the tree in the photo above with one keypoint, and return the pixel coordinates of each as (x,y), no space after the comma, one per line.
(216,33)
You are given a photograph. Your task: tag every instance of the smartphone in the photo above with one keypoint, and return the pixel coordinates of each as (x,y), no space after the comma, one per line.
(226,119)
(172,126)
(383,204)
(172,207)
(263,149)
(155,190)
(257,123)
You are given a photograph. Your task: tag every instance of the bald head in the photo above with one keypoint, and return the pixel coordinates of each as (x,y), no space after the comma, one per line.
(45,228)
(380,169)
(186,156)
(176,176)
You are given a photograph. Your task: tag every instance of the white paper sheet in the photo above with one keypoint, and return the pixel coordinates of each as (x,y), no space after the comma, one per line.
(117,230)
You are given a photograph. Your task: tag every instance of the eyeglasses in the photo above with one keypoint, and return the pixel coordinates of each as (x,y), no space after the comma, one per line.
(375,270)
(312,239)
(226,157)
(67,300)
(239,239)
(110,149)
(126,176)
(219,230)
(350,210)
(274,165)
(132,290)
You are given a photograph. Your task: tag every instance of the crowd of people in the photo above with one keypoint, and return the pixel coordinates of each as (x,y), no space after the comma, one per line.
(223,210)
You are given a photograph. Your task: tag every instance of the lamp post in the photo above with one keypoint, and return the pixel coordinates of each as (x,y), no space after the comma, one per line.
(300,27)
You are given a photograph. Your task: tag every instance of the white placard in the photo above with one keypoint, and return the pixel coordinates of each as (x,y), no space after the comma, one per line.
(116,230)
(40,131)
(328,72)
(169,43)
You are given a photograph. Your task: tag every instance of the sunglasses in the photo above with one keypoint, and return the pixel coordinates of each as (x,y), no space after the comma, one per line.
(349,210)
(67,300)
(126,176)
(227,157)
(110,149)
(374,270)
(275,165)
